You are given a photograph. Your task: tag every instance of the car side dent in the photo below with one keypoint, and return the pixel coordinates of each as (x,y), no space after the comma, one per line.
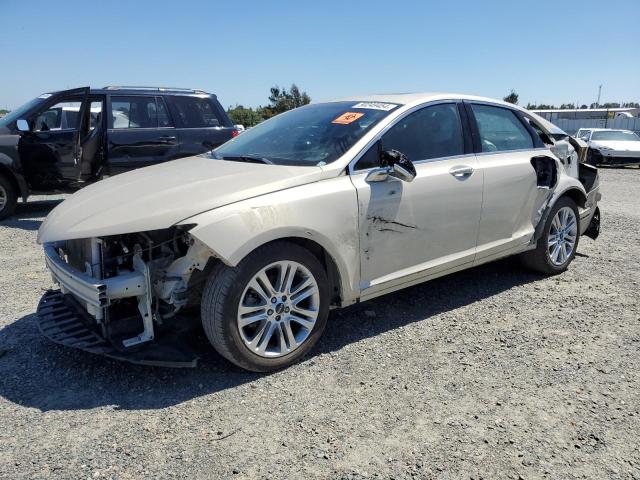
(325,212)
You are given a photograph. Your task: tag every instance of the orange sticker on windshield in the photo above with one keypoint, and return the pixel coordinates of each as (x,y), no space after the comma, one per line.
(348,117)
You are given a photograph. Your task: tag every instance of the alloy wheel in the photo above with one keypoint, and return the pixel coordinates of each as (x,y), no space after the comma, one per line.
(278,309)
(3,197)
(562,236)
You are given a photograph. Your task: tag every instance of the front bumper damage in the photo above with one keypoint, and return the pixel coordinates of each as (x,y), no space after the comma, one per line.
(117,313)
(62,320)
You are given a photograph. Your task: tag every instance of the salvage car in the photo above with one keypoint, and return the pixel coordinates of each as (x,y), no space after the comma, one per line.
(317,208)
(611,147)
(61,141)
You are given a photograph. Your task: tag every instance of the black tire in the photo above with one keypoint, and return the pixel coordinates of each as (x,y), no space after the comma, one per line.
(11,197)
(539,259)
(221,297)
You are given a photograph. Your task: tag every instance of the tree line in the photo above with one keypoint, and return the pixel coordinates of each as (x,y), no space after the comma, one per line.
(513,97)
(280,100)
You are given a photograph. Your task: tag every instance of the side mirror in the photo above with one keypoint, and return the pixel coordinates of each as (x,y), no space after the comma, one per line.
(22,125)
(400,166)
(394,164)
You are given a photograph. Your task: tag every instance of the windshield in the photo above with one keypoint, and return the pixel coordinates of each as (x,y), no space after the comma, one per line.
(618,135)
(311,135)
(19,112)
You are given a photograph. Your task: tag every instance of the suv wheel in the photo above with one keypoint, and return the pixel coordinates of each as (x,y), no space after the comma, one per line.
(8,197)
(270,310)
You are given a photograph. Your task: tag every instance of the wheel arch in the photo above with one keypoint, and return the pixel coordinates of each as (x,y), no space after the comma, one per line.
(314,243)
(574,194)
(17,182)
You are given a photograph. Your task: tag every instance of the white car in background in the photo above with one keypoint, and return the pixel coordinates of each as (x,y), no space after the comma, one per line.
(611,147)
(320,207)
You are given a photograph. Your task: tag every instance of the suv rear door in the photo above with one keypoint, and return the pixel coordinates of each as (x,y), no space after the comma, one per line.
(201,121)
(140,132)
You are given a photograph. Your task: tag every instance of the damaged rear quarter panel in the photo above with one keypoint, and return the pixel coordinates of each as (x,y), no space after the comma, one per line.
(325,212)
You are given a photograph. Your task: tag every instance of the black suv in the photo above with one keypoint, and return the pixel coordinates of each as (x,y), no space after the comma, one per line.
(62,141)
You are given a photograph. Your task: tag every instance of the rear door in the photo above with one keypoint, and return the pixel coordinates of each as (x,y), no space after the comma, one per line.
(201,123)
(511,196)
(50,151)
(141,132)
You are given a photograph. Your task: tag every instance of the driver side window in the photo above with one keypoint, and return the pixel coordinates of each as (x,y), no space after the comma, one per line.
(61,116)
(431,132)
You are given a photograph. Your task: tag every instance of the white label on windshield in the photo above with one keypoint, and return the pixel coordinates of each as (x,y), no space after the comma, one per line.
(375,105)
(45,96)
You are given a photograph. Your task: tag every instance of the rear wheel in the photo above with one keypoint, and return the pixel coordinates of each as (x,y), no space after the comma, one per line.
(270,310)
(8,197)
(557,246)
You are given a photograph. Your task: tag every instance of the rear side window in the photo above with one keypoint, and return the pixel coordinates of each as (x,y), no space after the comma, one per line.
(500,129)
(139,112)
(432,132)
(134,112)
(164,119)
(196,112)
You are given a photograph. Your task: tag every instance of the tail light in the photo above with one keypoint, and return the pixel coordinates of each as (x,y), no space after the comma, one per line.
(234,133)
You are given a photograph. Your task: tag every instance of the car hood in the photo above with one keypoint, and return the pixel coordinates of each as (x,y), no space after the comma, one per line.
(617,145)
(162,195)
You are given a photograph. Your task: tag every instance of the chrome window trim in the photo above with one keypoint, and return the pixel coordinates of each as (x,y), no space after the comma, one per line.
(517,150)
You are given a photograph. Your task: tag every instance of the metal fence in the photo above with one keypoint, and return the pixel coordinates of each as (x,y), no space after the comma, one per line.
(571,125)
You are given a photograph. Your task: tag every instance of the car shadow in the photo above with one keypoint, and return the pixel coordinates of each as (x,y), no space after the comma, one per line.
(27,215)
(38,374)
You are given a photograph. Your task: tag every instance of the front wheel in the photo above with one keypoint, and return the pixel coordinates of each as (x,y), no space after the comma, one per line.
(557,246)
(8,197)
(270,310)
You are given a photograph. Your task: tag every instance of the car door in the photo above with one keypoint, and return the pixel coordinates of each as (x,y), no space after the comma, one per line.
(141,132)
(410,230)
(50,151)
(511,196)
(201,125)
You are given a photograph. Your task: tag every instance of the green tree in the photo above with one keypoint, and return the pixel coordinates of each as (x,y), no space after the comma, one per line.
(282,100)
(512,97)
(244,116)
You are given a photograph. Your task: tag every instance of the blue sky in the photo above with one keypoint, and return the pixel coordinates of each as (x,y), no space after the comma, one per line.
(548,51)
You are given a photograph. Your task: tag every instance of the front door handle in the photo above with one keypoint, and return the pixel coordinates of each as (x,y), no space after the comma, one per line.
(461,172)
(167,139)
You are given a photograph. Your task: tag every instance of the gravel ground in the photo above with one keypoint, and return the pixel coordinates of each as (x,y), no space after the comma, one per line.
(489,373)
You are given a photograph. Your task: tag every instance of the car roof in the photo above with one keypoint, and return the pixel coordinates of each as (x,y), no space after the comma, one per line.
(420,97)
(158,91)
(412,99)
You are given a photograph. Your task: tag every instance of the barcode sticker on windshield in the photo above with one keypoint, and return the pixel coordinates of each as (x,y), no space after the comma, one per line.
(375,105)
(348,117)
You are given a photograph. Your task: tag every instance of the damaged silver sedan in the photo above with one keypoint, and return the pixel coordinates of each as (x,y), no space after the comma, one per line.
(320,207)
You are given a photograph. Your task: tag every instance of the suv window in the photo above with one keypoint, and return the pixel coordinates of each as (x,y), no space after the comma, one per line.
(164,120)
(61,116)
(134,112)
(500,129)
(196,112)
(431,132)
